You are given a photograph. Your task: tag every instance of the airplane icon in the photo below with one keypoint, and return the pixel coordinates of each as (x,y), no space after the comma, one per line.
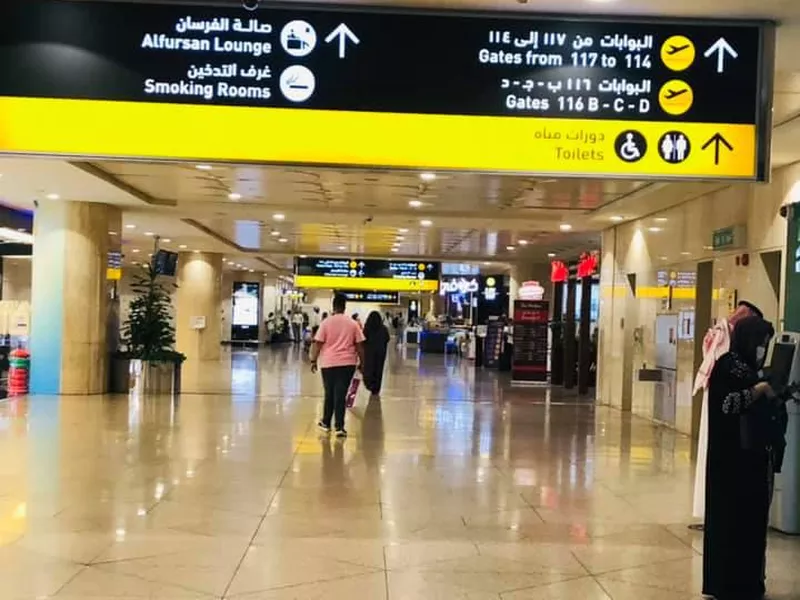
(675,49)
(671,94)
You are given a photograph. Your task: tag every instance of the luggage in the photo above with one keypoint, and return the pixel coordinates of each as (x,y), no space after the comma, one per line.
(352,392)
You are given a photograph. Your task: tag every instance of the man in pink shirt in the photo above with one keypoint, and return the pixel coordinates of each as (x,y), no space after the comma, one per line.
(338,348)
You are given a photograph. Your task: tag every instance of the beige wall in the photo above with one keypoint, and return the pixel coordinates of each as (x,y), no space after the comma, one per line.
(684,240)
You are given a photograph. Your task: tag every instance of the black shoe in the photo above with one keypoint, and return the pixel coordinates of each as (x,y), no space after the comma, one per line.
(341,433)
(324,428)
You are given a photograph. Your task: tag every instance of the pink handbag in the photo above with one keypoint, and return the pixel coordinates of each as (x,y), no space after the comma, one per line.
(352,391)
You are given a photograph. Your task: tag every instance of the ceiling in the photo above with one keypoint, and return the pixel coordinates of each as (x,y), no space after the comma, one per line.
(261,216)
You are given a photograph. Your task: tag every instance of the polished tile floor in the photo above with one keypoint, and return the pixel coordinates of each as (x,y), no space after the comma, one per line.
(453,487)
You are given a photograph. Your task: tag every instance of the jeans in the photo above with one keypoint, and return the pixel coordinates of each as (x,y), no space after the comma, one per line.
(297,333)
(336,381)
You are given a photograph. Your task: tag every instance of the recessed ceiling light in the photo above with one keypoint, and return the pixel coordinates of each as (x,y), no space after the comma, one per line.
(303,256)
(279,216)
(510,248)
(395,250)
(136,251)
(617,218)
(415,203)
(53,197)
(283,240)
(427,176)
(234,196)
(130,226)
(203,167)
(149,233)
(167,241)
(426,222)
(660,219)
(275,233)
(183,246)
(686,253)
(402,230)
(662,258)
(251,270)
(342,248)
(400,238)
(109,233)
(196,251)
(551,255)
(565,227)
(654,229)
(486,264)
(523,242)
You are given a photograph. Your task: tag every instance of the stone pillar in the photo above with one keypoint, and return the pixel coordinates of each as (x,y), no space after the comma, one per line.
(198,295)
(70,296)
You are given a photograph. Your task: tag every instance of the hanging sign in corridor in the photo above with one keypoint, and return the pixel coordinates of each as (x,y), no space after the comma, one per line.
(361,86)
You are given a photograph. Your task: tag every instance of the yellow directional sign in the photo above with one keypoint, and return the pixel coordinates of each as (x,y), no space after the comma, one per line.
(353,86)
(372,284)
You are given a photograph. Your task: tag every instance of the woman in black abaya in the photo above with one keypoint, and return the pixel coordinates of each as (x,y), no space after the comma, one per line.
(377,340)
(739,467)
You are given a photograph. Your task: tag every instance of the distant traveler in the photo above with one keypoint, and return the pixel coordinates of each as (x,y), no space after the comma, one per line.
(339,348)
(739,472)
(297,327)
(377,341)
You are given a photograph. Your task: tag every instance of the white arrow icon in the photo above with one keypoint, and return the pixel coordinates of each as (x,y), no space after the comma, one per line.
(344,33)
(721,47)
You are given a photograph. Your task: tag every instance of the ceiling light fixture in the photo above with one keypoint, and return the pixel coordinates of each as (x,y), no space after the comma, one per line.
(415,203)
(53,197)
(303,256)
(136,251)
(551,255)
(149,233)
(167,241)
(427,176)
(565,227)
(509,248)
(203,167)
(283,240)
(279,216)
(109,233)
(654,229)
(183,246)
(403,230)
(196,251)
(234,196)
(400,238)
(522,242)
(617,218)
(275,233)
(395,250)
(660,219)
(426,222)
(342,248)
(130,226)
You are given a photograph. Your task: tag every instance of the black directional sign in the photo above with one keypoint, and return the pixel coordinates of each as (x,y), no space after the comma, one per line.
(397,88)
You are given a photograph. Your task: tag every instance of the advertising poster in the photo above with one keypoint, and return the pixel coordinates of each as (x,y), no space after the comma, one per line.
(531,322)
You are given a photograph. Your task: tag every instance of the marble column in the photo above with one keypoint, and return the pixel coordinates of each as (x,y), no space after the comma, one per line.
(198,296)
(70,296)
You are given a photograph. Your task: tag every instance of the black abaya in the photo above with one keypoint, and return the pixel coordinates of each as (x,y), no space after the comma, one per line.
(738,483)
(375,348)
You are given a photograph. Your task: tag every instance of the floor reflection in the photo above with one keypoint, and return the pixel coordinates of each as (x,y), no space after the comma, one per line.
(454,485)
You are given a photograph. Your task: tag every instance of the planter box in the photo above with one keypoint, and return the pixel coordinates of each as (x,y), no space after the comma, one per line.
(144,377)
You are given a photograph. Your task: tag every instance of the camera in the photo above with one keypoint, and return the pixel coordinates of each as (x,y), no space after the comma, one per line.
(250,4)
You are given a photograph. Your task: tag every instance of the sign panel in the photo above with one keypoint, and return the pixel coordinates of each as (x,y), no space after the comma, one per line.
(370,87)
(372,297)
(366,274)
(531,318)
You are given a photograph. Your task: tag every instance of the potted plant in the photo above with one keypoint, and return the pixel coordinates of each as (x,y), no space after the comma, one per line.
(148,362)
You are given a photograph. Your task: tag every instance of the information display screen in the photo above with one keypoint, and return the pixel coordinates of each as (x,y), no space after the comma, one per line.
(364,86)
(245,304)
(531,324)
(366,274)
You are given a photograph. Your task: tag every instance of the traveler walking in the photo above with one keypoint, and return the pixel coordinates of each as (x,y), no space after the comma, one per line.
(377,341)
(338,348)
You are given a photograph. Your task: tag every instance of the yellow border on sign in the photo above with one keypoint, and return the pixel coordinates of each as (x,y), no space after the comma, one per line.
(272,135)
(369,284)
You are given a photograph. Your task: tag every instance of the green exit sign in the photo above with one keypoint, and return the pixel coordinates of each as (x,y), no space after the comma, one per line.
(728,238)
